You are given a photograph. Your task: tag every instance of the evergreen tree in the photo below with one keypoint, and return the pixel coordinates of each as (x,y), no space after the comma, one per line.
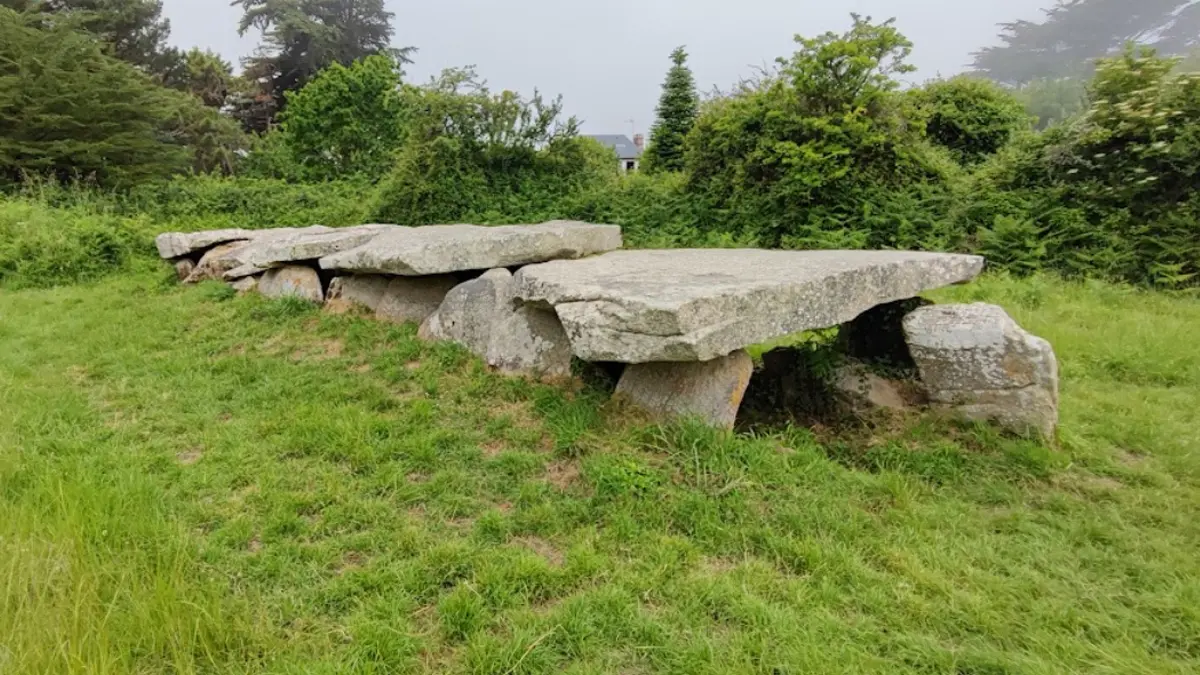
(70,110)
(677,112)
(1075,33)
(132,30)
(303,37)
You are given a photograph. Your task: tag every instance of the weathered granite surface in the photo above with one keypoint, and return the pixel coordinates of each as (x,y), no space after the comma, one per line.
(413,298)
(711,391)
(308,245)
(697,305)
(976,361)
(441,249)
(178,244)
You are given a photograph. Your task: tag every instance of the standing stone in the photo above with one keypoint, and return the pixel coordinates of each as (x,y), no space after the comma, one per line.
(471,311)
(530,340)
(217,261)
(184,268)
(481,315)
(413,298)
(292,280)
(359,290)
(711,391)
(976,361)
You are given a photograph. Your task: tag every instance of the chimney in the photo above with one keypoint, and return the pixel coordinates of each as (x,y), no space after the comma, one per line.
(639,141)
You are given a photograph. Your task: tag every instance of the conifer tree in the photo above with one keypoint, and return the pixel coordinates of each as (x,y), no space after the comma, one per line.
(677,112)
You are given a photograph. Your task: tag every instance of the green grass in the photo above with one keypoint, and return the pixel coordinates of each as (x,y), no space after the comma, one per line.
(192,483)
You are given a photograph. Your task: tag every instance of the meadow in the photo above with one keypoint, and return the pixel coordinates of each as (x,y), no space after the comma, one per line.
(193,482)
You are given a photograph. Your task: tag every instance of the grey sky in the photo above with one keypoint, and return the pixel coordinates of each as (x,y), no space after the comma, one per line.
(608,58)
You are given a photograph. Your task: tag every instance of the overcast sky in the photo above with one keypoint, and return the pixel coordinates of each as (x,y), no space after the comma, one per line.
(608,58)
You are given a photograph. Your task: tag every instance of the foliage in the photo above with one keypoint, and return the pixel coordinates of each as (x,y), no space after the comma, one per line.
(677,112)
(1076,32)
(474,153)
(43,246)
(207,76)
(1112,193)
(303,37)
(802,158)
(69,110)
(131,30)
(346,120)
(1053,100)
(972,118)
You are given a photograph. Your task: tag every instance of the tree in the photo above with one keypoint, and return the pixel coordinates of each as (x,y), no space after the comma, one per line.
(206,76)
(303,37)
(70,110)
(677,112)
(346,120)
(1075,33)
(132,30)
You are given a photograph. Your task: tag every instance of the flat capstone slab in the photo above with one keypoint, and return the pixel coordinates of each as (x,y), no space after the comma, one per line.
(442,249)
(701,304)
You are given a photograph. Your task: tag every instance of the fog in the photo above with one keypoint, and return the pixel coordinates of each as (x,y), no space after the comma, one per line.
(608,59)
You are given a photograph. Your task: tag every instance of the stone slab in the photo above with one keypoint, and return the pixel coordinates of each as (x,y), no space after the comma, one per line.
(172,245)
(701,304)
(442,249)
(711,391)
(308,245)
(413,298)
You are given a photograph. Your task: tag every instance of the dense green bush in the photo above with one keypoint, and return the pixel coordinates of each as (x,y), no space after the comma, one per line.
(807,157)
(472,154)
(972,118)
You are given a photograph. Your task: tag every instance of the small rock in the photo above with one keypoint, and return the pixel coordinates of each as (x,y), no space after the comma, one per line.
(976,361)
(184,268)
(413,298)
(245,285)
(361,290)
(292,280)
(864,390)
(711,391)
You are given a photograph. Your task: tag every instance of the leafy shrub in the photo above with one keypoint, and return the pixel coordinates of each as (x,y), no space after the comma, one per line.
(42,246)
(346,121)
(972,118)
(800,158)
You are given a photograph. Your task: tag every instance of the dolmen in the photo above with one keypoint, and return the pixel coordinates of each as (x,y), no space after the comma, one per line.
(528,299)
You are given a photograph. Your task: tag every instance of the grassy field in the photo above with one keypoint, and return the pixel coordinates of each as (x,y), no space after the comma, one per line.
(196,483)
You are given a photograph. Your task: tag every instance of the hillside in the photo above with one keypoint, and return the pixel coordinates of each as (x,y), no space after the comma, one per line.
(194,482)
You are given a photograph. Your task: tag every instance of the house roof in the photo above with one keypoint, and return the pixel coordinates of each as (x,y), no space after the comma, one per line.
(621,143)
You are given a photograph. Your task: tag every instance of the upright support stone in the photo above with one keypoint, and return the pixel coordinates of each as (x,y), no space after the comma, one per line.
(482,315)
(413,298)
(358,290)
(292,280)
(977,362)
(711,391)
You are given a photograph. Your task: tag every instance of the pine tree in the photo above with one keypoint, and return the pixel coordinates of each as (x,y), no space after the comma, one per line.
(677,112)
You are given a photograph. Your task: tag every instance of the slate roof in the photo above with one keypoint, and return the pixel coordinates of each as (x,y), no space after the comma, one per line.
(621,143)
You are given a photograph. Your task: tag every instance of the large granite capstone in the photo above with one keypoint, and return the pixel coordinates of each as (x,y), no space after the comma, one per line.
(698,305)
(442,249)
(172,245)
